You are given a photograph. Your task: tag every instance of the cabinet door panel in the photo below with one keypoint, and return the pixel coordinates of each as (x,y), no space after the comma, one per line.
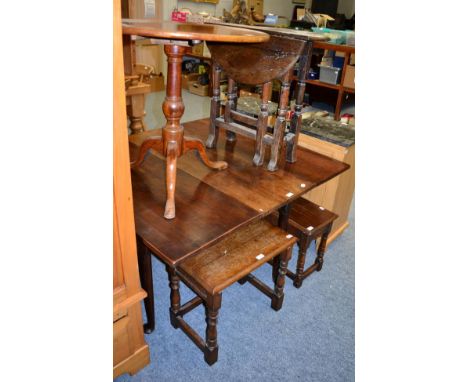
(121,340)
(118,271)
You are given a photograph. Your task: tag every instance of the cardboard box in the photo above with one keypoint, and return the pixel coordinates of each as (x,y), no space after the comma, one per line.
(348,81)
(201,50)
(300,13)
(196,88)
(187,78)
(157,82)
(150,54)
(198,49)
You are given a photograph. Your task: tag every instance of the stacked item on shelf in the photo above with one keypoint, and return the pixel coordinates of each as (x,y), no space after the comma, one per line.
(319,125)
(335,36)
(331,67)
(195,77)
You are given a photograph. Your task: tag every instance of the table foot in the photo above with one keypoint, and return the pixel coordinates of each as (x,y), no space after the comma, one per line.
(154,143)
(148,328)
(212,139)
(196,144)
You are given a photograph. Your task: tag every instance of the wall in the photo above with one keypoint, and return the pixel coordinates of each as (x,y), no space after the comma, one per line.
(346,7)
(279,7)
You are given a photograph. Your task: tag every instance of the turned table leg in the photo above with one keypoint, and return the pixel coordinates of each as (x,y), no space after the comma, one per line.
(136,113)
(213,304)
(303,245)
(262,122)
(215,105)
(296,120)
(283,221)
(278,297)
(146,279)
(280,124)
(231,104)
(174,284)
(173,133)
(322,247)
(231,135)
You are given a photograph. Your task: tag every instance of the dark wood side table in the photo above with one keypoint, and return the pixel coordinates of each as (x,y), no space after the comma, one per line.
(176,38)
(302,44)
(211,204)
(254,64)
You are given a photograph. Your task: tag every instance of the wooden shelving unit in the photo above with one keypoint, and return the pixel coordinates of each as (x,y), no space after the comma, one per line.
(210,62)
(204,58)
(348,50)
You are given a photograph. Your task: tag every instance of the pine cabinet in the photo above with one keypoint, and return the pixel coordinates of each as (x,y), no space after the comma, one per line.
(131,352)
(337,194)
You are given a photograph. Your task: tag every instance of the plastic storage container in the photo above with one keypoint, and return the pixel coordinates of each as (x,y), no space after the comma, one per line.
(350,38)
(329,74)
(335,36)
(338,62)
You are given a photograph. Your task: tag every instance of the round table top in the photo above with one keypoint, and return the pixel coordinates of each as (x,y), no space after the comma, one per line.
(189,31)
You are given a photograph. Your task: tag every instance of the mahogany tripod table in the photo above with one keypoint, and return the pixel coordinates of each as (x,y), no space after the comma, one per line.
(176,39)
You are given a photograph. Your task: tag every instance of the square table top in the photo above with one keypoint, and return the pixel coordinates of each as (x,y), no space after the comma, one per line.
(209,203)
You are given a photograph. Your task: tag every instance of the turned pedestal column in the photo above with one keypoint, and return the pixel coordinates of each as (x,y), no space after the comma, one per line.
(172,144)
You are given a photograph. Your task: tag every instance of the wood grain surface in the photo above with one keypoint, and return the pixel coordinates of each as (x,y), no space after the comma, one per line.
(233,258)
(212,204)
(188,31)
(255,64)
(298,34)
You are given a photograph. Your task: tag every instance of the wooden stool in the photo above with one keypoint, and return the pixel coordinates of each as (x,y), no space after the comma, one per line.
(212,270)
(308,222)
(136,88)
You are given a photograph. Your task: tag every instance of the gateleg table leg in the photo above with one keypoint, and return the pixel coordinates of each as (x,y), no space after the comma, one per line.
(213,304)
(146,279)
(277,300)
(174,284)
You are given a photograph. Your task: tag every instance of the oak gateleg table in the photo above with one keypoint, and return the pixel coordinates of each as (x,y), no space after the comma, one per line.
(213,204)
(176,38)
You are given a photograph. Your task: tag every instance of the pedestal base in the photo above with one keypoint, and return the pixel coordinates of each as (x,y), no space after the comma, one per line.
(171,154)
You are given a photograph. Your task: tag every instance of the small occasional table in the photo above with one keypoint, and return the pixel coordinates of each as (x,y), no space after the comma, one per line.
(176,38)
(298,45)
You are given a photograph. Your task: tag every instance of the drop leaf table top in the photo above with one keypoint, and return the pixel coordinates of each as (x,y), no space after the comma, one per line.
(212,204)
